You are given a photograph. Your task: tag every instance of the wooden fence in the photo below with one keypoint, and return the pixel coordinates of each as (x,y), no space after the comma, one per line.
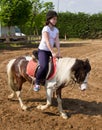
(20,39)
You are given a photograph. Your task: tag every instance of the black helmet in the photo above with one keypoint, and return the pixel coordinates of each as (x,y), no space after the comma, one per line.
(50,15)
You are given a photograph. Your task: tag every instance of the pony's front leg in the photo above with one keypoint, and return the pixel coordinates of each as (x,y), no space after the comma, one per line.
(20,100)
(49,95)
(63,114)
(59,100)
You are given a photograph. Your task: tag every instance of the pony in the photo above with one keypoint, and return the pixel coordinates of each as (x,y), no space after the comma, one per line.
(68,70)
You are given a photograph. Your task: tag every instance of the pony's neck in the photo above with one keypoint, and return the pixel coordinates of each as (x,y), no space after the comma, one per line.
(64,66)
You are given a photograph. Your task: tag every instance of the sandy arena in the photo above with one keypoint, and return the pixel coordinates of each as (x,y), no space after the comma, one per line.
(84,108)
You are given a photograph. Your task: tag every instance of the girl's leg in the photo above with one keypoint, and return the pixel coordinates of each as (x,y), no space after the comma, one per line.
(43,57)
(43,61)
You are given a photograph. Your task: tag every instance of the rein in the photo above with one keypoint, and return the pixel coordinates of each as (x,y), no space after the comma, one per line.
(31,86)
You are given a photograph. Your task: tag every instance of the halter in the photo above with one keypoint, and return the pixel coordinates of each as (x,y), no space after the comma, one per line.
(75,81)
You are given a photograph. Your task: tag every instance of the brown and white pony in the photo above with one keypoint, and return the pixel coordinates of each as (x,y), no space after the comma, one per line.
(67,70)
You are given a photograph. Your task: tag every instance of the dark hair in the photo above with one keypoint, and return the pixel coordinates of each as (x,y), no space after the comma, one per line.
(47,22)
(50,15)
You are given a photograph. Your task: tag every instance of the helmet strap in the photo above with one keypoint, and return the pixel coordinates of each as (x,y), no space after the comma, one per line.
(51,23)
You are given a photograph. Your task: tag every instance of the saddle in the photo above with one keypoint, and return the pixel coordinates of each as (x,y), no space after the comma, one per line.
(33,66)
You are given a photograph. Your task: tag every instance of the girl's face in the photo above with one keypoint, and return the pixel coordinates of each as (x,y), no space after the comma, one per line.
(53,20)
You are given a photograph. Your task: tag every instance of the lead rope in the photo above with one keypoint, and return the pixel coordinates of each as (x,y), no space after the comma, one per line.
(71,88)
(31,86)
(72,82)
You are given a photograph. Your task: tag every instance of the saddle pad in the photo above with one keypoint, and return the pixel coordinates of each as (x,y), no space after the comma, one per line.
(31,68)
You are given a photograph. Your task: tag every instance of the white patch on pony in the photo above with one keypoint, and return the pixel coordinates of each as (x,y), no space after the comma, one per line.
(28,58)
(24,107)
(9,72)
(64,69)
(49,93)
(50,83)
(11,95)
(84,84)
(10,64)
(63,73)
(19,64)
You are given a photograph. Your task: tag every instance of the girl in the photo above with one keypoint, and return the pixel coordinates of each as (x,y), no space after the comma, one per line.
(50,35)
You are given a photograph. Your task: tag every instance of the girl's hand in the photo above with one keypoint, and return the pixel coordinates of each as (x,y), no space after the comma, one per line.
(58,55)
(54,54)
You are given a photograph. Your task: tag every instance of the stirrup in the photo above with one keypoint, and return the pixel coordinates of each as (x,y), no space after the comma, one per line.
(36,89)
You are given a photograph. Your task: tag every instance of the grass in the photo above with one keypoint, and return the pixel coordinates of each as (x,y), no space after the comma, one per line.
(16,45)
(71,39)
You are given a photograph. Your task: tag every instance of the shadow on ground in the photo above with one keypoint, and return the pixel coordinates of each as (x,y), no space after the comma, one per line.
(72,106)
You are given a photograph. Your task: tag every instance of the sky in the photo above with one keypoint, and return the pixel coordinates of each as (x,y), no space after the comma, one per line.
(75,6)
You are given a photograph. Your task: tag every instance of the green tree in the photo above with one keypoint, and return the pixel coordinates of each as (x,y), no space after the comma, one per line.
(37,17)
(48,6)
(95,25)
(80,25)
(14,12)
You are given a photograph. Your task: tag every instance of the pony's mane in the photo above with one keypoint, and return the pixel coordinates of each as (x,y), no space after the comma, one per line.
(64,66)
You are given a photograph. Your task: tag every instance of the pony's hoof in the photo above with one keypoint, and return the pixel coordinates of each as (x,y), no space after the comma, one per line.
(64,116)
(11,96)
(39,107)
(24,107)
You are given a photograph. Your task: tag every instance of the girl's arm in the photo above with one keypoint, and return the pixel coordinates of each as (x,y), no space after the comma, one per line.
(57,42)
(46,37)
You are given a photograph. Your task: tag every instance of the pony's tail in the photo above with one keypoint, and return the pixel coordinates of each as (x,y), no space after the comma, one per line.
(10,74)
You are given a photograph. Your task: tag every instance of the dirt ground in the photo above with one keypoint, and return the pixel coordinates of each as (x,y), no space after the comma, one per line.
(84,109)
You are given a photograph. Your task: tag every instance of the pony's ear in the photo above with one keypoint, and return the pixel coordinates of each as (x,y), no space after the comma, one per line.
(87,64)
(87,60)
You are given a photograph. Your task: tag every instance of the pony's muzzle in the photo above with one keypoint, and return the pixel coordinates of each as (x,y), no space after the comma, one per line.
(83,86)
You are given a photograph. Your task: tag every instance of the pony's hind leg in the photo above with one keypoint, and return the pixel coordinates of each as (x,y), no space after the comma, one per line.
(15,79)
(18,92)
(24,107)
(11,95)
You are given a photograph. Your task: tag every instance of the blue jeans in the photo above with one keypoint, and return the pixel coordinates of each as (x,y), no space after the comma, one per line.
(43,57)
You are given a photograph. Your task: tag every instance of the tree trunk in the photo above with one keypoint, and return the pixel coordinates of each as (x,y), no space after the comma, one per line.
(65,37)
(8,35)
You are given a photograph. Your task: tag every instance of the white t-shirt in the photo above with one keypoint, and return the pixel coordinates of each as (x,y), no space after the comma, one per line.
(52,35)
